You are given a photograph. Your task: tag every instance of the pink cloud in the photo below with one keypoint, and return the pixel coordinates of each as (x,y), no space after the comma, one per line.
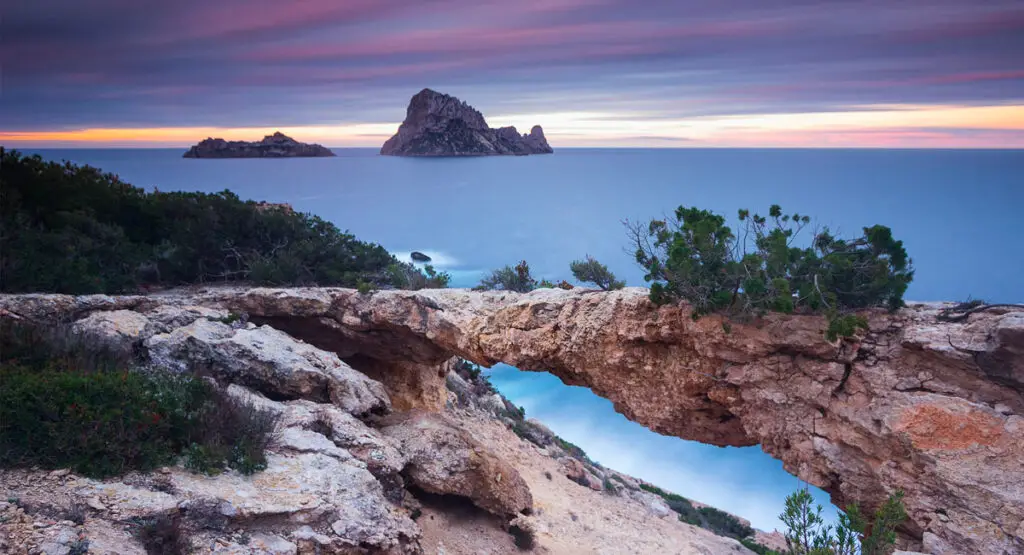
(640,36)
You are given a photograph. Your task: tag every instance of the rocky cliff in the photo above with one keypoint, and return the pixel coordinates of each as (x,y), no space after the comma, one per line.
(421,458)
(928,406)
(441,125)
(277,145)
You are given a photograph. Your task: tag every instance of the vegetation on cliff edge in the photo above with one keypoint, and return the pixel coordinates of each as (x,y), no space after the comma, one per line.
(693,256)
(74,229)
(70,402)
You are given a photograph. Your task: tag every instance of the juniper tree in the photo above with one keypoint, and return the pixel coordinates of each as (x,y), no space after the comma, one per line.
(590,270)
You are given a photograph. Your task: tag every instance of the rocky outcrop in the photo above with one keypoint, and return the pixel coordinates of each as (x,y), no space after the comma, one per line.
(445,459)
(914,403)
(277,145)
(441,125)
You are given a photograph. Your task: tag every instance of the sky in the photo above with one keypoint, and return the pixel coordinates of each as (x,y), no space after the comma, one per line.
(696,73)
(743,481)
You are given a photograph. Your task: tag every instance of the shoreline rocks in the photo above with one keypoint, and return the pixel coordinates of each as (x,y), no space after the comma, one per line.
(438,125)
(277,145)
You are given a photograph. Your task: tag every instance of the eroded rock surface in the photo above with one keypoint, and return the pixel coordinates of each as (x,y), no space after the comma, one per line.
(445,459)
(930,407)
(441,125)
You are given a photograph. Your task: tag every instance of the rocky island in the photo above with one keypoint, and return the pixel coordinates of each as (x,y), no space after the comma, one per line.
(277,145)
(438,124)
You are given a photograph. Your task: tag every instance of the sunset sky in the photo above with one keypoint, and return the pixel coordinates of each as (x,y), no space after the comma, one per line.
(751,73)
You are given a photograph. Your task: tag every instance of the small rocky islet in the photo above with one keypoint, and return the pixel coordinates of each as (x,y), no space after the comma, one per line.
(439,125)
(277,145)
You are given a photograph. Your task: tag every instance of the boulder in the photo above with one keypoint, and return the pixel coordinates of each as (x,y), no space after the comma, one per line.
(444,459)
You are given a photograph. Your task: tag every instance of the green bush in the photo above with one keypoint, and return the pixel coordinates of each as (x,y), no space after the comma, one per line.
(807,533)
(74,229)
(590,270)
(724,524)
(68,404)
(406,276)
(100,423)
(516,279)
(695,257)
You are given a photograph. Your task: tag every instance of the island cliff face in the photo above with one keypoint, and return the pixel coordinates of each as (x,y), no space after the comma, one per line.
(277,145)
(441,125)
(916,403)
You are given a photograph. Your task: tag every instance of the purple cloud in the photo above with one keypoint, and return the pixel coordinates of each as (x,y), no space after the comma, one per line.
(263,62)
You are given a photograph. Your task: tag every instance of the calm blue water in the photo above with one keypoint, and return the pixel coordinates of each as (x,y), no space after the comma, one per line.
(960,214)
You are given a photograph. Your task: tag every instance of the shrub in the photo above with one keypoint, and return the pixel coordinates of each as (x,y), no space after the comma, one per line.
(161,535)
(73,229)
(589,270)
(807,533)
(406,276)
(84,407)
(695,257)
(231,433)
(516,279)
(724,524)
(756,547)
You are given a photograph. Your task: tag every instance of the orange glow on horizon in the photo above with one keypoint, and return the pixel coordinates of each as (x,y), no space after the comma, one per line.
(861,126)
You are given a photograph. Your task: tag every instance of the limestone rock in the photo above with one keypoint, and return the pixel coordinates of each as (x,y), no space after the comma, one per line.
(441,125)
(445,459)
(269,361)
(931,407)
(277,145)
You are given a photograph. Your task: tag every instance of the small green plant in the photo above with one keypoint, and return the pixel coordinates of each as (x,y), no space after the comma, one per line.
(590,270)
(807,533)
(517,279)
(364,287)
(231,318)
(845,326)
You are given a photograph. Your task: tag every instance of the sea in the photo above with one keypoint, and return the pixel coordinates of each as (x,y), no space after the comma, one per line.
(960,214)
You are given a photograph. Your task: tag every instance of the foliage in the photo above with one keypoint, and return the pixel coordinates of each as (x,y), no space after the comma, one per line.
(709,518)
(573,450)
(590,270)
(74,229)
(807,533)
(695,257)
(406,276)
(724,524)
(845,326)
(69,404)
(516,279)
(756,547)
(681,505)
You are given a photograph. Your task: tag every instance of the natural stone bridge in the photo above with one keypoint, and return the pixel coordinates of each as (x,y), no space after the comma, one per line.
(927,406)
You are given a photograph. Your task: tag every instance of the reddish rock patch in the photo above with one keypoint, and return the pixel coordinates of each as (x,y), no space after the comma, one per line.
(934,427)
